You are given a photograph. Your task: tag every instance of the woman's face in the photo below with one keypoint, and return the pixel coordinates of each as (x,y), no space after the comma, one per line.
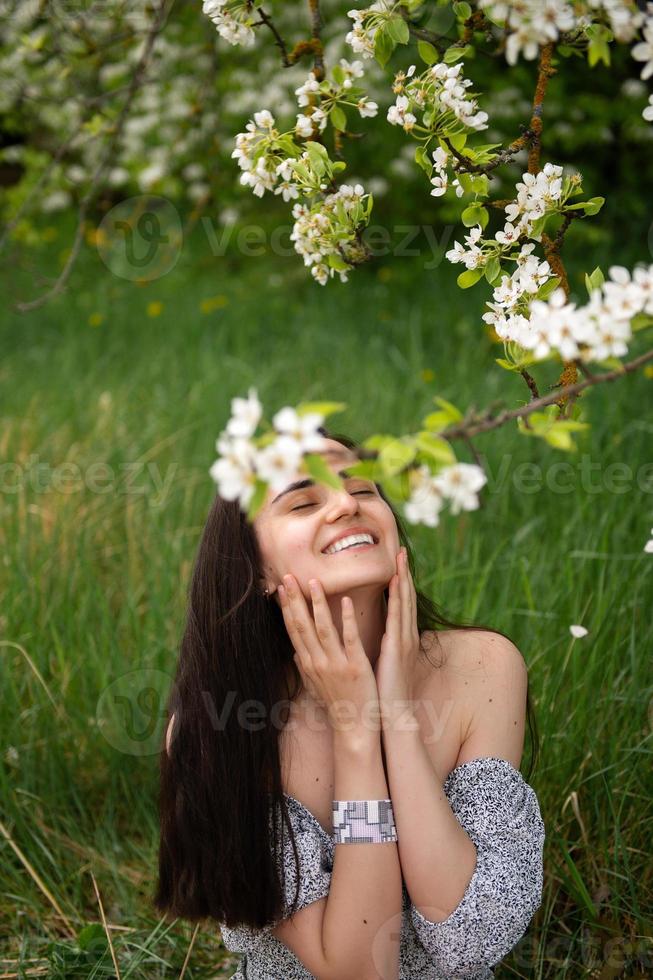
(294,528)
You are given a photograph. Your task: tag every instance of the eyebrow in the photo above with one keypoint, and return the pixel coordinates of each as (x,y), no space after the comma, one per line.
(301,484)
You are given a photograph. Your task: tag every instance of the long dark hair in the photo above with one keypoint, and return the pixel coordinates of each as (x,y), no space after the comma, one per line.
(218,847)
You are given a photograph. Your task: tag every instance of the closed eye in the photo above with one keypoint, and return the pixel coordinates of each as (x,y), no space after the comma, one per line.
(301,507)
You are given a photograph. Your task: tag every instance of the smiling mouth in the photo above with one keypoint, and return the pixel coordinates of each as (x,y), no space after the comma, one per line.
(353,547)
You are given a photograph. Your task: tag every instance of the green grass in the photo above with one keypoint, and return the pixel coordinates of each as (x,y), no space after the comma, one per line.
(94,582)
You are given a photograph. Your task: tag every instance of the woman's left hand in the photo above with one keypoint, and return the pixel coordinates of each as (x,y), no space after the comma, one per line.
(397,664)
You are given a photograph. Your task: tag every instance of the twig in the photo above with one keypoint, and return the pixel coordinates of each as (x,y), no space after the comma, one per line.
(316,29)
(487,423)
(544,72)
(504,156)
(278,40)
(84,204)
(530,381)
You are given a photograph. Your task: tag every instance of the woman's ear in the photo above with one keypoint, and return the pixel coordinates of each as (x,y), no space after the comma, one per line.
(169,733)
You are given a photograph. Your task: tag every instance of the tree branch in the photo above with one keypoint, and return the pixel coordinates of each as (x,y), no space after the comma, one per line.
(489,422)
(278,40)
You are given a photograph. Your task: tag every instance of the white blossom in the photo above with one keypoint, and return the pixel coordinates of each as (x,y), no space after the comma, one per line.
(459,484)
(245,415)
(644,50)
(578,631)
(301,428)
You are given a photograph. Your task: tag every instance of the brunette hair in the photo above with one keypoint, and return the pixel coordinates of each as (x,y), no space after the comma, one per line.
(218,847)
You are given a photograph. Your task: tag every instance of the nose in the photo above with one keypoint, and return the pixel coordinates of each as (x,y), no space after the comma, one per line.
(342,502)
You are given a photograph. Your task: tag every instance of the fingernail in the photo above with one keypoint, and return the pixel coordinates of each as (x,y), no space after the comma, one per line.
(313,586)
(282,591)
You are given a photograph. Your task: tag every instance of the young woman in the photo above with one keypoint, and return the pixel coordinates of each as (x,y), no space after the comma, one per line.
(307,714)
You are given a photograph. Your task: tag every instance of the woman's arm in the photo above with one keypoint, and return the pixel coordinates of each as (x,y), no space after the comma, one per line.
(354,933)
(472,862)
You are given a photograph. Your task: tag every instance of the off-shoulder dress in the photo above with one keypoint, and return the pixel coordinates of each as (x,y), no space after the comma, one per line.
(500,812)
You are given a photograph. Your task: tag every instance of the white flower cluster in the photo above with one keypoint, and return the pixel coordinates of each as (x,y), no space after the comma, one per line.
(648,547)
(594,332)
(624,17)
(366,23)
(440,92)
(441,180)
(458,483)
(233,20)
(317,232)
(508,296)
(537,195)
(241,461)
(272,170)
(163,133)
(340,89)
(532,23)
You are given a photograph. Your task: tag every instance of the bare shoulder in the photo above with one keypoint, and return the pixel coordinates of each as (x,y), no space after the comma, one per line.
(487,675)
(468,653)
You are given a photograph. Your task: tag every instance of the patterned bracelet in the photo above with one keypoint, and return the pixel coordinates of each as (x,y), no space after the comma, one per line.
(363,822)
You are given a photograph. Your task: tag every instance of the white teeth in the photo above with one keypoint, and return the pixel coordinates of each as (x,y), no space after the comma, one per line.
(349,542)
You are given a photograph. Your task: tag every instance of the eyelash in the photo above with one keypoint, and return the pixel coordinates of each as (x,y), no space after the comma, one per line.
(301,507)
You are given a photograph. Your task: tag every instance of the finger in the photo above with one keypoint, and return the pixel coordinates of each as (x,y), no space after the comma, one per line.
(302,621)
(296,638)
(409,603)
(326,632)
(393,620)
(351,640)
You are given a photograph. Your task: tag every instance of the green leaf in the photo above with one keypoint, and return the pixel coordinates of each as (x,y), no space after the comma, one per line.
(475,214)
(435,447)
(384,45)
(469,277)
(257,499)
(462,11)
(436,421)
(492,268)
(457,140)
(640,322)
(452,54)
(594,205)
(316,466)
(398,30)
(422,160)
(320,408)
(480,182)
(427,52)
(338,118)
(594,281)
(548,287)
(337,262)
(338,73)
(465,181)
(454,414)
(92,938)
(395,456)
(598,50)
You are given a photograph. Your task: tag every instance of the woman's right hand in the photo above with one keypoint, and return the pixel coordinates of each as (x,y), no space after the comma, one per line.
(339,674)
